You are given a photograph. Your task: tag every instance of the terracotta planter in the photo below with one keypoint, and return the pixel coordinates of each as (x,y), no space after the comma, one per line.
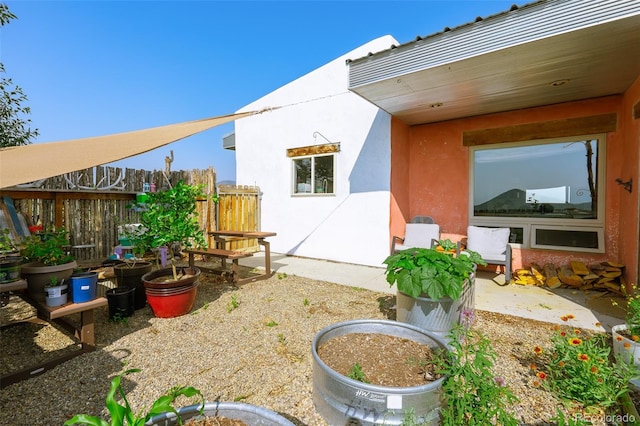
(170,298)
(39,275)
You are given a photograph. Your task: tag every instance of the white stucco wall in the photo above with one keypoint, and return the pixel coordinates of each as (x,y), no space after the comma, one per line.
(352,225)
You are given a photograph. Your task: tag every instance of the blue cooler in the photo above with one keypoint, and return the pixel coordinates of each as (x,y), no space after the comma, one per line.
(83,286)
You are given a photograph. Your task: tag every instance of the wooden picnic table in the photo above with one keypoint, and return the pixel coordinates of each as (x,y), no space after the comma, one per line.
(221,237)
(83,333)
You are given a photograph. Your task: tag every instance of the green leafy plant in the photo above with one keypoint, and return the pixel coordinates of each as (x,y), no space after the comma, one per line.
(233,303)
(356,373)
(49,248)
(169,218)
(578,367)
(431,272)
(632,317)
(122,414)
(271,323)
(53,282)
(446,245)
(472,393)
(6,243)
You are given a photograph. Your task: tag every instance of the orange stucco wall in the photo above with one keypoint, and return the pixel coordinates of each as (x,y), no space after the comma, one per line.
(430,176)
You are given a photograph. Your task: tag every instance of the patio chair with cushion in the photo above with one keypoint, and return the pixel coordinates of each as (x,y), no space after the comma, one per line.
(493,245)
(422,235)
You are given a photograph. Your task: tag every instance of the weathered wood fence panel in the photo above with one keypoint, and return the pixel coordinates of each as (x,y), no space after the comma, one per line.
(91,203)
(239,210)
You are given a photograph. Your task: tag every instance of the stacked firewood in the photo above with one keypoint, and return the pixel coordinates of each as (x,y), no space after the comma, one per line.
(605,276)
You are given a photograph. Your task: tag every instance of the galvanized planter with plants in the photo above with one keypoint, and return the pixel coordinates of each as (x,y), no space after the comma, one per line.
(434,286)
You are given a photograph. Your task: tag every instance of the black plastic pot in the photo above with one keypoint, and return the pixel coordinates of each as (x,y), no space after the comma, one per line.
(121,302)
(130,275)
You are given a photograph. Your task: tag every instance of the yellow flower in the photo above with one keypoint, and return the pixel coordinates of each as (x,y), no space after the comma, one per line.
(583,357)
(574,341)
(537,350)
(635,338)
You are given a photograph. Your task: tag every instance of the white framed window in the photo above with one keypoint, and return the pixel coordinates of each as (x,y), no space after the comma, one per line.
(313,174)
(549,192)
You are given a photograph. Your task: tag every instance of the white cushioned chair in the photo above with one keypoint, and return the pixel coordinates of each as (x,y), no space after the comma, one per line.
(493,245)
(422,235)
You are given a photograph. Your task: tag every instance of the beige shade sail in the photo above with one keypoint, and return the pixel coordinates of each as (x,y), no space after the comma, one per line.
(23,164)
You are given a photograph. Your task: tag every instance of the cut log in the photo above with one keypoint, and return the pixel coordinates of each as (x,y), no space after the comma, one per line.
(566,275)
(551,276)
(537,272)
(579,268)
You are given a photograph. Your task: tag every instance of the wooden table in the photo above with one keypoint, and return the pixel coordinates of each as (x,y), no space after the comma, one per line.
(220,236)
(84,333)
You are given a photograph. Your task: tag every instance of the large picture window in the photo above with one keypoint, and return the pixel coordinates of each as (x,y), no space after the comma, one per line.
(313,174)
(555,187)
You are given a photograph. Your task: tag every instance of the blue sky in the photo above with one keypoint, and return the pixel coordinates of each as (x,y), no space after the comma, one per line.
(93,68)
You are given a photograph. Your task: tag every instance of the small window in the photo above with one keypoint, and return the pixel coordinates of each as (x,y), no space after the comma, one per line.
(313,174)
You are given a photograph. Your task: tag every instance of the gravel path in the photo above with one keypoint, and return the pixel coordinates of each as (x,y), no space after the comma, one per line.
(256,351)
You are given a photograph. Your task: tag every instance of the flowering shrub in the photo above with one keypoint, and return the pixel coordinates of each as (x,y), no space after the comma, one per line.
(578,367)
(473,395)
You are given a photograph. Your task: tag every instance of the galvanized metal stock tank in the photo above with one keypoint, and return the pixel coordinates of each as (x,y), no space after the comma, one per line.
(343,401)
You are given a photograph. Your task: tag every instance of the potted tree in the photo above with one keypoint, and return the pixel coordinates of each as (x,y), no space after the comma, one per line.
(47,257)
(434,286)
(169,222)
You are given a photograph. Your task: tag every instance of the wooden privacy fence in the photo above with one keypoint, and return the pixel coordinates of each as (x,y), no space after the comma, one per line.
(91,203)
(239,210)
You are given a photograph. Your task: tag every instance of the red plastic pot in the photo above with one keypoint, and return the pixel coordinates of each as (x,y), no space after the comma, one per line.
(172,302)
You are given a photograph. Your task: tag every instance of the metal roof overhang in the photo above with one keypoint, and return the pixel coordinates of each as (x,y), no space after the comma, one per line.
(543,53)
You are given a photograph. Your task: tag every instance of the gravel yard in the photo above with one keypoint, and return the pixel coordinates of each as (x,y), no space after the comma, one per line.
(249,344)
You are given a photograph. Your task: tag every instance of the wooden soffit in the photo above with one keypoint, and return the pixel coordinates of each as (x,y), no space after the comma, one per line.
(544,130)
(327,148)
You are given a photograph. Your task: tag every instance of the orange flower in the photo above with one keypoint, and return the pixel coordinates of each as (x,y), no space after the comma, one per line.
(533,367)
(536,383)
(537,350)
(564,318)
(635,338)
(561,364)
(594,369)
(598,324)
(570,316)
(583,357)
(541,375)
(563,333)
(577,331)
(627,345)
(574,341)
(619,338)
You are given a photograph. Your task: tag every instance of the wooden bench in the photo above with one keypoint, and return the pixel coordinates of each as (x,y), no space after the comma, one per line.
(224,255)
(83,333)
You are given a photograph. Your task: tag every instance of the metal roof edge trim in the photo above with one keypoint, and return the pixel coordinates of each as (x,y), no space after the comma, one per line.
(528,23)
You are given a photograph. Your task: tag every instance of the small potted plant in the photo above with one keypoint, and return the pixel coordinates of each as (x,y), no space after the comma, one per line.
(47,256)
(433,286)
(169,222)
(10,259)
(56,292)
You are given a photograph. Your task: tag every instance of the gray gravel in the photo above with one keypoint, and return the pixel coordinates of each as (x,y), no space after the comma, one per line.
(257,352)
